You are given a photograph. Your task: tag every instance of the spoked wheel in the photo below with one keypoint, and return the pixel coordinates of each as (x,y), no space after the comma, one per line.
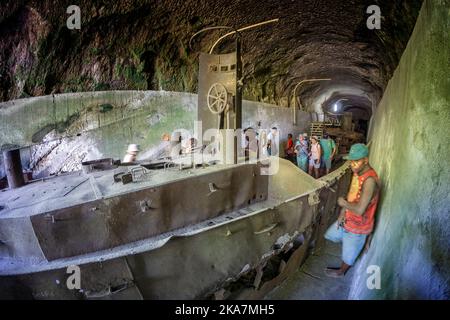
(217,98)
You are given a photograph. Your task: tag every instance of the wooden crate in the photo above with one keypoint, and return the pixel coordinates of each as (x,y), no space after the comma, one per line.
(316,129)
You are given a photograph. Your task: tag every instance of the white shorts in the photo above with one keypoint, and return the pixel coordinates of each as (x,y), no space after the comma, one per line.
(313,164)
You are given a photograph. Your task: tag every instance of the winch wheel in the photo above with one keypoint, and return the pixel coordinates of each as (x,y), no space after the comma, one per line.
(217,98)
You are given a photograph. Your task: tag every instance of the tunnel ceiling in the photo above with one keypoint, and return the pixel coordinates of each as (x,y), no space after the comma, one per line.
(144,45)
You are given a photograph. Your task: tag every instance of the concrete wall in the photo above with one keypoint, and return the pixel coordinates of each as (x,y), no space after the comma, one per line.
(102,124)
(96,124)
(410,151)
(270,115)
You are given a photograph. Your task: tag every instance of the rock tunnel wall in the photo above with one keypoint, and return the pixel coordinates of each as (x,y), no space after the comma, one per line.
(101,124)
(410,151)
(144,45)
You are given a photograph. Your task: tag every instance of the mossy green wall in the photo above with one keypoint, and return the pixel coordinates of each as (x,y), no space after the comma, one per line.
(410,150)
(100,124)
(127,111)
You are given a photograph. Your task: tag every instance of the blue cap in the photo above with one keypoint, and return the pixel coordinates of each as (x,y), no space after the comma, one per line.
(357,151)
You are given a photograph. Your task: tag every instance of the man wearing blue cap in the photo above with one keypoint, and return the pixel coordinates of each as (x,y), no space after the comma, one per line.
(356,220)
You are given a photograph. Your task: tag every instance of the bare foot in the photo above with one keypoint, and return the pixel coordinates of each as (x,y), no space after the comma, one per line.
(334,272)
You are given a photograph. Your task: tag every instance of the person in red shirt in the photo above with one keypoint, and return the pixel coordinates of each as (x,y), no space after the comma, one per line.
(289,150)
(355,223)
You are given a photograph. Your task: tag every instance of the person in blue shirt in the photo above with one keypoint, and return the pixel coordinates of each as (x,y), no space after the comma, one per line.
(301,150)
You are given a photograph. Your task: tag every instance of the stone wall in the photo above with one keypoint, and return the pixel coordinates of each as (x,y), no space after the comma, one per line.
(410,151)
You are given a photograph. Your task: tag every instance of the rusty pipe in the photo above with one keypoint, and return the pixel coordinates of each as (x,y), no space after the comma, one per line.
(294,94)
(239,30)
(13,168)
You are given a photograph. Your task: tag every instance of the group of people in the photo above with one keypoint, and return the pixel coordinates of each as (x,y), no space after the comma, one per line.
(311,155)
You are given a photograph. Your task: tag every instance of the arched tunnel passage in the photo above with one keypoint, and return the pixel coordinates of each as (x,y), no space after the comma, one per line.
(359,106)
(76,100)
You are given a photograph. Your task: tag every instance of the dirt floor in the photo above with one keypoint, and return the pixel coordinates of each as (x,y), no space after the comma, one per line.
(310,282)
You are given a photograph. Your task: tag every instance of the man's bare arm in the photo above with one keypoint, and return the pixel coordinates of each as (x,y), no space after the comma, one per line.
(333,153)
(341,218)
(367,193)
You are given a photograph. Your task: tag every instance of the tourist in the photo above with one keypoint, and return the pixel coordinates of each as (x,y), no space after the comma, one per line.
(328,150)
(250,144)
(314,157)
(131,154)
(356,220)
(289,150)
(301,150)
(273,142)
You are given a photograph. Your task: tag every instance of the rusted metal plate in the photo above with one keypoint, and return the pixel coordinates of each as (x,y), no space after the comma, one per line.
(108,280)
(328,210)
(111,222)
(294,262)
(199,264)
(17,240)
(40,192)
(185,268)
(194,265)
(215,69)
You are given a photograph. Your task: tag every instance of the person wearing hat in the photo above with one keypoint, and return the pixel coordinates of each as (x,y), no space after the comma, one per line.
(132,152)
(355,223)
(301,150)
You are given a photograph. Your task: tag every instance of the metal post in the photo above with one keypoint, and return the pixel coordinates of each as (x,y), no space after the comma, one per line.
(13,168)
(295,100)
(238,97)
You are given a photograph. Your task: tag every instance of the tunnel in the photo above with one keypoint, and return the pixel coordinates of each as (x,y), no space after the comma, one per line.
(79,83)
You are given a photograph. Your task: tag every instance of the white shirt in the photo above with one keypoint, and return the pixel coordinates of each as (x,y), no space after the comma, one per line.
(129,158)
(274,142)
